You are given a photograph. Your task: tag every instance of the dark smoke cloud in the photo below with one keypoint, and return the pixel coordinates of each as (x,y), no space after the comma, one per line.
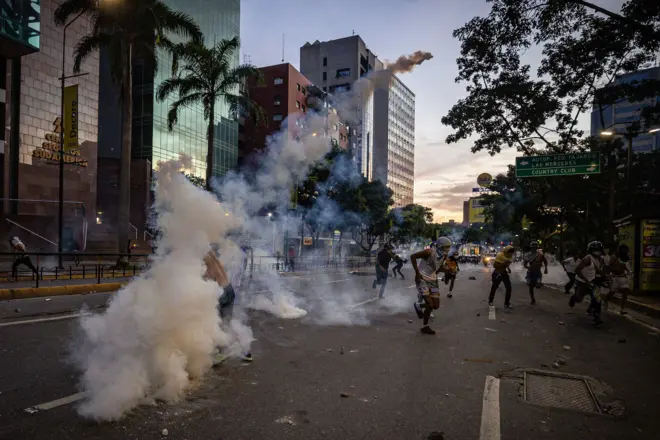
(407,63)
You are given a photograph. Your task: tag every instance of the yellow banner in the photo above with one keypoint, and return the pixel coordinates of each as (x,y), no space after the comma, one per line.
(650,270)
(476,211)
(70,118)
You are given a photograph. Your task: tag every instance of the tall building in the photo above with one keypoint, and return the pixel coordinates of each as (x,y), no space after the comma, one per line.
(616,118)
(30,92)
(394,137)
(334,66)
(286,97)
(152,141)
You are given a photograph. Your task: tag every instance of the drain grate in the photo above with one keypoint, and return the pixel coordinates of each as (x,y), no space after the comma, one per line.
(559,392)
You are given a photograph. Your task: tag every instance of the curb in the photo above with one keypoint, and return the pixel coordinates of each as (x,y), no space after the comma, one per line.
(37,292)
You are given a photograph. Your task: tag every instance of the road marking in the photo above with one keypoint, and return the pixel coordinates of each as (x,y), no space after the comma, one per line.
(490,410)
(414,285)
(364,302)
(491,313)
(336,281)
(34,321)
(55,403)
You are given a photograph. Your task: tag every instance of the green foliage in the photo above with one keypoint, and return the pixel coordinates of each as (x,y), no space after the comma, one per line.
(410,223)
(196,180)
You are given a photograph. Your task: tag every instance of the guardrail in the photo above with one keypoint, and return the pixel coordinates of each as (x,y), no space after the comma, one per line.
(92,266)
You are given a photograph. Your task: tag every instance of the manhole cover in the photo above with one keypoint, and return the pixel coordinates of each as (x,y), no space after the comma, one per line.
(559,392)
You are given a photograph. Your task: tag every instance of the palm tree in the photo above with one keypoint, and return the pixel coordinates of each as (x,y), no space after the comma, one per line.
(126,28)
(206,76)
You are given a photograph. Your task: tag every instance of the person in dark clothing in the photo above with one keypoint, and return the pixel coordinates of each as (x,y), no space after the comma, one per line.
(399,264)
(534,262)
(502,269)
(18,247)
(382,269)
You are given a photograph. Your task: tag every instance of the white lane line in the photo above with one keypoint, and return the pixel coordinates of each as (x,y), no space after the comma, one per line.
(491,313)
(34,321)
(490,410)
(336,281)
(364,302)
(414,285)
(55,403)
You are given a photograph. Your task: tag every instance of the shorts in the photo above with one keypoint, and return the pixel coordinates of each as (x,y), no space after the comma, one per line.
(620,283)
(533,278)
(226,302)
(429,292)
(449,276)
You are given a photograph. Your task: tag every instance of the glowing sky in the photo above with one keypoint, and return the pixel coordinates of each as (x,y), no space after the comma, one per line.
(444,174)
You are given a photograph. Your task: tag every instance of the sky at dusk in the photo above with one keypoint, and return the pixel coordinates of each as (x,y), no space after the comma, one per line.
(444,174)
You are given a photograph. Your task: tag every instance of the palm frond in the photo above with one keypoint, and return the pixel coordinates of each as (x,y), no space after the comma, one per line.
(70,8)
(185,101)
(190,53)
(182,86)
(176,22)
(242,105)
(225,49)
(238,75)
(88,45)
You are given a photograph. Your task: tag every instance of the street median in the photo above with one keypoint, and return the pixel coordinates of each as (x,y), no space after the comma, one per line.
(73,289)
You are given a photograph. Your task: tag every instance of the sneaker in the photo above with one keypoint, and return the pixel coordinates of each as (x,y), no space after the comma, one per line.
(572,301)
(508,306)
(427,330)
(490,304)
(418,310)
(219,358)
(373,286)
(247,357)
(402,277)
(449,295)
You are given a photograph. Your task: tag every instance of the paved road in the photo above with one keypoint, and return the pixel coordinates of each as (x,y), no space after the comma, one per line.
(398,383)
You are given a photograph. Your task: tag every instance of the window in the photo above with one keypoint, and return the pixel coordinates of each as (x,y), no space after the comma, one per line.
(325,61)
(325,76)
(303,91)
(343,73)
(297,104)
(303,108)
(277,117)
(298,85)
(278,81)
(277,100)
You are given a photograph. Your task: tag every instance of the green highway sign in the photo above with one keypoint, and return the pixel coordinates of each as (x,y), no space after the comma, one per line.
(558,165)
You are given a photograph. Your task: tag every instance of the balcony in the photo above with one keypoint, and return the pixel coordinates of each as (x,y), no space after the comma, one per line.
(20,27)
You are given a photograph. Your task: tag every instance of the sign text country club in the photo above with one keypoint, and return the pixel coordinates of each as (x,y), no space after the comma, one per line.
(558,165)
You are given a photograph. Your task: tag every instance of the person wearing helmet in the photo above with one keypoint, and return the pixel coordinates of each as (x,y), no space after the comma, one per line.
(533,262)
(452,269)
(501,271)
(427,265)
(383,260)
(589,273)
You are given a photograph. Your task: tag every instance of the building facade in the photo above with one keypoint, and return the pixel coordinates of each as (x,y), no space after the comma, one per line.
(616,118)
(30,92)
(394,137)
(287,96)
(335,66)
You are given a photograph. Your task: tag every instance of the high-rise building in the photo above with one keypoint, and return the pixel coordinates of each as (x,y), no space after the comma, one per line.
(31,60)
(394,136)
(334,66)
(286,97)
(617,118)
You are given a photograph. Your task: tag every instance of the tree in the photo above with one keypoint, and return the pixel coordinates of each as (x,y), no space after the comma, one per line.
(409,223)
(204,76)
(374,220)
(199,182)
(582,53)
(126,29)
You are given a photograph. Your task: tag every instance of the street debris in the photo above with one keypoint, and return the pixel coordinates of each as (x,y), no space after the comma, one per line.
(545,365)
(353,351)
(47,299)
(485,361)
(561,361)
(490,329)
(435,435)
(621,340)
(561,323)
(31,410)
(17,310)
(286,420)
(164,432)
(341,350)
(410,321)
(555,365)
(478,314)
(345,395)
(503,321)
(472,278)
(567,347)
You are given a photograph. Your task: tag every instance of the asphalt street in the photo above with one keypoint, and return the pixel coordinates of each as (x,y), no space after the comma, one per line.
(358,368)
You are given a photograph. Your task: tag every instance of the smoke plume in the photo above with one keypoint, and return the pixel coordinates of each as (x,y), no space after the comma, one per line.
(406,63)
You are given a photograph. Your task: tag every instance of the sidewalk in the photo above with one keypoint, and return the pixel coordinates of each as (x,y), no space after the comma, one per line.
(26,289)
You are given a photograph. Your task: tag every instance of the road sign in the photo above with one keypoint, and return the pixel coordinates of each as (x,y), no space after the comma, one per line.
(558,165)
(484,179)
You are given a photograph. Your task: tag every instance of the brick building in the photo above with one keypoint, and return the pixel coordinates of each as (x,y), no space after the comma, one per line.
(286,97)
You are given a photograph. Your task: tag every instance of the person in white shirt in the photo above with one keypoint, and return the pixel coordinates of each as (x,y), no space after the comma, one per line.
(18,247)
(569,266)
(589,275)
(620,270)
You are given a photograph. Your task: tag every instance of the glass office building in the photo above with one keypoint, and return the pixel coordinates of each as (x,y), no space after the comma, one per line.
(151,138)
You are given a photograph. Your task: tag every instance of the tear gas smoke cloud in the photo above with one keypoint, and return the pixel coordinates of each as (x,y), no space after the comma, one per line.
(406,63)
(159,332)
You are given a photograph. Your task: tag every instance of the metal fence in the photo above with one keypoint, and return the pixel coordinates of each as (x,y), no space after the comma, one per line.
(76,266)
(295,264)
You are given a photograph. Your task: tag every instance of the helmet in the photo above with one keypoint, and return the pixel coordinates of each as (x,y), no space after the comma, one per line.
(508,250)
(595,248)
(534,244)
(442,245)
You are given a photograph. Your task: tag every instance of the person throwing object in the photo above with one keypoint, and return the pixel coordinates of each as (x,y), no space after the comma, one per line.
(431,263)
(18,247)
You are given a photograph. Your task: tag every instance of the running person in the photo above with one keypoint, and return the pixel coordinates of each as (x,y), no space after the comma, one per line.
(450,274)
(18,247)
(382,269)
(619,266)
(589,273)
(216,271)
(569,266)
(501,271)
(431,262)
(399,264)
(533,262)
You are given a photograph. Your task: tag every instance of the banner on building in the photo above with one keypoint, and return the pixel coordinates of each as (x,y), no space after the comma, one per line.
(70,118)
(650,270)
